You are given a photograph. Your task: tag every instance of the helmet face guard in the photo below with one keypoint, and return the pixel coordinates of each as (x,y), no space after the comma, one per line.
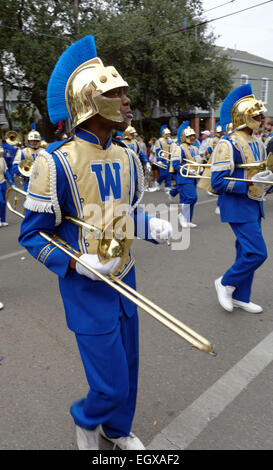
(85,89)
(244,111)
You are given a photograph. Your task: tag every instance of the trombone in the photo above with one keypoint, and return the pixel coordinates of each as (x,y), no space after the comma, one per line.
(161,155)
(261,166)
(165,318)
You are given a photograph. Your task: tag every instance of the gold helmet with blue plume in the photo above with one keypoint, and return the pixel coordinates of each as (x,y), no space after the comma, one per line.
(77,85)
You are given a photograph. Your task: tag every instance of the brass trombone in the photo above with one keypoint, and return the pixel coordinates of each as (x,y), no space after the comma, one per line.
(175,325)
(261,166)
(161,155)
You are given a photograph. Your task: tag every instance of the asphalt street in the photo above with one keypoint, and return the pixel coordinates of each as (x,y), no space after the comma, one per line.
(187,399)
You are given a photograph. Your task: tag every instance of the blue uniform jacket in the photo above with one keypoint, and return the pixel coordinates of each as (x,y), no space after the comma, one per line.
(91,307)
(235,205)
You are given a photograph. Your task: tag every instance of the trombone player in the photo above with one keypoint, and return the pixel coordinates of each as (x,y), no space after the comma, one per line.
(25,157)
(89,171)
(241,202)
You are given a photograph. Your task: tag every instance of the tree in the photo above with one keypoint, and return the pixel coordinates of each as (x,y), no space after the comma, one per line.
(145,40)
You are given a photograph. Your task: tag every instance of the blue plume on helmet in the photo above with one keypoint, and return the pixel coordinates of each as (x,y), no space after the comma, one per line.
(230,100)
(33,126)
(78,53)
(181,128)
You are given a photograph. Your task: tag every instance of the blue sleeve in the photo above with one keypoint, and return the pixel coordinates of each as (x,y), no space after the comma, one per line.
(9,178)
(222,185)
(46,253)
(143,157)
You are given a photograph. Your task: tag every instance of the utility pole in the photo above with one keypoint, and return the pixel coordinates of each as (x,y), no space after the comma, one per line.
(76,17)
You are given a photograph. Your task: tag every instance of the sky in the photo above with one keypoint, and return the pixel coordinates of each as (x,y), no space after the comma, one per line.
(250,31)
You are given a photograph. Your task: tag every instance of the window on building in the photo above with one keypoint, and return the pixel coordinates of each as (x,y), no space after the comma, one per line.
(264,90)
(244,79)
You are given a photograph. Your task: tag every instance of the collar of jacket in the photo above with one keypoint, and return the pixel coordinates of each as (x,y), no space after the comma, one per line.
(92,137)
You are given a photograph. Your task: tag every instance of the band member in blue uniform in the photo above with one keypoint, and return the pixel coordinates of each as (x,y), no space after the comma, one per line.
(185,186)
(241,202)
(89,177)
(163,148)
(4,176)
(27,155)
(130,141)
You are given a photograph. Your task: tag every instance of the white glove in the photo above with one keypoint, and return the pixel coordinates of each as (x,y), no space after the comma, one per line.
(198,158)
(93,262)
(148,166)
(161,230)
(263,176)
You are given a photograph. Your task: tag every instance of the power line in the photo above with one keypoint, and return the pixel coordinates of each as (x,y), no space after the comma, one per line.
(213,19)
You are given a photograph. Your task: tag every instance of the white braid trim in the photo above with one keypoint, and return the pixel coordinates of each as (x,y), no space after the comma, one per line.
(140,177)
(38,206)
(53,185)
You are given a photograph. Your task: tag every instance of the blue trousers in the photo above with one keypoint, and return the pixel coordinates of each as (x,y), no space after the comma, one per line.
(187,195)
(3,188)
(251,252)
(164,175)
(111,367)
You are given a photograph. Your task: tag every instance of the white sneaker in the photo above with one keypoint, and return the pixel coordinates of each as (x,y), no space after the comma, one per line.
(211,194)
(248,306)
(171,198)
(87,439)
(217,210)
(192,225)
(1,305)
(224,294)
(130,442)
(4,224)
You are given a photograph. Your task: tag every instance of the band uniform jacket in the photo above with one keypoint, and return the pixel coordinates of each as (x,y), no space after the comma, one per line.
(74,178)
(239,203)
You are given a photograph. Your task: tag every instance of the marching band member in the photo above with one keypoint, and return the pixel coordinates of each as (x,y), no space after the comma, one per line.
(130,141)
(163,148)
(73,177)
(241,202)
(4,176)
(185,186)
(28,154)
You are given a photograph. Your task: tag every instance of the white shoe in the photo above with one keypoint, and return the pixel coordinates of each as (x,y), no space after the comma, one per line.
(217,210)
(171,198)
(248,306)
(211,194)
(4,224)
(130,442)
(192,225)
(1,305)
(157,186)
(87,439)
(224,294)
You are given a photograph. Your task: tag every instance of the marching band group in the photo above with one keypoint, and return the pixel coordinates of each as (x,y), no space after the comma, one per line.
(92,167)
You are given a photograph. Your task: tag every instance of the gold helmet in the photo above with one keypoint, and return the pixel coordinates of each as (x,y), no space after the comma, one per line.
(240,108)
(186,134)
(34,136)
(78,83)
(165,132)
(129,133)
(245,110)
